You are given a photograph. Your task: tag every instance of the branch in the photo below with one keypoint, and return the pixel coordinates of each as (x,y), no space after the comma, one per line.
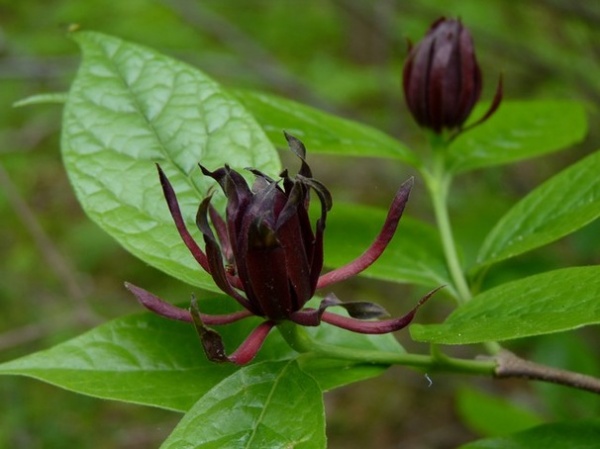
(510,366)
(504,365)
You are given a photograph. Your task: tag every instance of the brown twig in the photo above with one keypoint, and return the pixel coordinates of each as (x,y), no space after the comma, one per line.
(511,366)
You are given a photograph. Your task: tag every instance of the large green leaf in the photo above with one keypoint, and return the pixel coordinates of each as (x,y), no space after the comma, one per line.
(414,255)
(518,130)
(150,360)
(130,107)
(321,132)
(267,405)
(142,359)
(558,207)
(562,435)
(550,302)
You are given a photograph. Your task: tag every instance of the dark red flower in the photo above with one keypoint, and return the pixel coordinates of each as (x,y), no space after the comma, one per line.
(266,255)
(442,79)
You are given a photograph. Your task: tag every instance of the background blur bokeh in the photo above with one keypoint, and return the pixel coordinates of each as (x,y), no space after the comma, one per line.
(60,275)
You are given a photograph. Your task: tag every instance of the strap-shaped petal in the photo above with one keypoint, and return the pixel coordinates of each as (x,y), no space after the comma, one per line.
(312,317)
(299,150)
(495,104)
(221,229)
(363,310)
(173,205)
(357,309)
(378,246)
(168,310)
(251,345)
(215,258)
(375,327)
(213,346)
(297,243)
(257,230)
(268,278)
(238,195)
(212,343)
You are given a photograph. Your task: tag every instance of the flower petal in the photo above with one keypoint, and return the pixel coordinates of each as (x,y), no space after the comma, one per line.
(238,194)
(375,327)
(213,346)
(295,235)
(363,310)
(258,256)
(157,305)
(250,347)
(378,246)
(215,258)
(212,343)
(299,150)
(168,310)
(358,309)
(221,229)
(173,205)
(491,110)
(312,317)
(270,286)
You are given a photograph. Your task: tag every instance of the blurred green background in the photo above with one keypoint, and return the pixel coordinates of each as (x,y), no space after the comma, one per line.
(60,275)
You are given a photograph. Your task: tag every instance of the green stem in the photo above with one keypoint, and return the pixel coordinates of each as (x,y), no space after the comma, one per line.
(438,183)
(299,340)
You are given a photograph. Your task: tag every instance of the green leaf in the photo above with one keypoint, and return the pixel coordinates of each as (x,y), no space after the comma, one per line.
(492,416)
(561,205)
(546,303)
(267,405)
(413,256)
(572,435)
(517,131)
(150,360)
(54,97)
(321,132)
(130,107)
(144,359)
(334,373)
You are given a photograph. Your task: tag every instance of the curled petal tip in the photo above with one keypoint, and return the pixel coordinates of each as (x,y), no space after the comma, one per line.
(205,171)
(425,298)
(496,101)
(212,343)
(408,184)
(213,346)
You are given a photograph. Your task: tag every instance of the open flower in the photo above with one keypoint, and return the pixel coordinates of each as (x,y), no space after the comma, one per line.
(442,79)
(266,255)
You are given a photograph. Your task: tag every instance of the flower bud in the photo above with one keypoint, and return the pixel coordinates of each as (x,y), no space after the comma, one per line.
(442,80)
